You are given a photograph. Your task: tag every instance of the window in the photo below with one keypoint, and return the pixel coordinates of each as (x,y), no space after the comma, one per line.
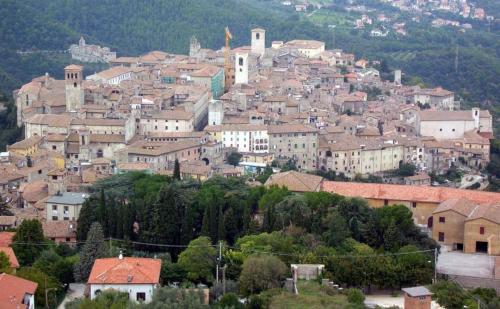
(481,230)
(240,61)
(257,36)
(441,236)
(141,296)
(386,202)
(68,239)
(414,204)
(54,218)
(442,219)
(441,130)
(54,147)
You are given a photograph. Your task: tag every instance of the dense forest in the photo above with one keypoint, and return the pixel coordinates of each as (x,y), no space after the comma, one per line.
(134,27)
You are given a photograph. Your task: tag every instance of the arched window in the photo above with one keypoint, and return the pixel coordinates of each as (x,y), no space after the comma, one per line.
(240,61)
(74,85)
(257,36)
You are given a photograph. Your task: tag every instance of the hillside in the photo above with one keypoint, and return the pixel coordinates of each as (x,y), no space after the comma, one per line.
(134,27)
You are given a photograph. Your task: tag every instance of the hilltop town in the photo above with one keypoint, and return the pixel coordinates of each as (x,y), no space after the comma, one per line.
(287,114)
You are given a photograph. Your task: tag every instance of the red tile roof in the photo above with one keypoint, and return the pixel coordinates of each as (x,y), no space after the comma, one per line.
(13,289)
(127,270)
(6,238)
(11,255)
(407,193)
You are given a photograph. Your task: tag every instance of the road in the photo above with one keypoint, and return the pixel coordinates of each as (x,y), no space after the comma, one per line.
(75,290)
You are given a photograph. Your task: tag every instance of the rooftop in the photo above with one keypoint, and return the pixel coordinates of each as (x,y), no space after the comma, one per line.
(127,270)
(69,198)
(13,290)
(406,193)
(295,181)
(417,291)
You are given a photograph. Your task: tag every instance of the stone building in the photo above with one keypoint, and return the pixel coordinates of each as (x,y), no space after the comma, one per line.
(90,53)
(296,142)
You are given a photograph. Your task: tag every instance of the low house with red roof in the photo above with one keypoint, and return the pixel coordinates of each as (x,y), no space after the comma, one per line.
(16,293)
(421,200)
(465,220)
(138,277)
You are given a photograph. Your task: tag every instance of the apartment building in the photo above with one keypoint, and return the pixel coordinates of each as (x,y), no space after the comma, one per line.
(296,142)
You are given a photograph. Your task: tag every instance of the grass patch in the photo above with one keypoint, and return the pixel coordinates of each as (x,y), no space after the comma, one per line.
(310,296)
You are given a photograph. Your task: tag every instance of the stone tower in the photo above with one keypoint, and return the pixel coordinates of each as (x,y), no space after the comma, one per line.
(241,68)
(258,41)
(73,76)
(194,46)
(397,77)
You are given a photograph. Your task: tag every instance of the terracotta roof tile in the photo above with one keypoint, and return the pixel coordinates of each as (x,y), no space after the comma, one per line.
(295,181)
(127,270)
(9,252)
(6,238)
(13,289)
(407,193)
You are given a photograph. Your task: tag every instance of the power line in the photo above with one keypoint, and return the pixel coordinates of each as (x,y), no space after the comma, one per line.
(336,256)
(344,256)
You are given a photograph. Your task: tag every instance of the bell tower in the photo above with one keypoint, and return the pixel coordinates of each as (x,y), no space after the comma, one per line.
(258,41)
(73,76)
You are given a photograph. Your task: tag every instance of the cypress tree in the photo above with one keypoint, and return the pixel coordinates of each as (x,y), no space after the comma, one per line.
(85,219)
(214,223)
(392,237)
(101,210)
(221,231)
(231,225)
(177,170)
(205,225)
(93,249)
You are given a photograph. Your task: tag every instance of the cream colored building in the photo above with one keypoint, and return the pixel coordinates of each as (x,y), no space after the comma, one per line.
(351,155)
(167,121)
(308,48)
(64,206)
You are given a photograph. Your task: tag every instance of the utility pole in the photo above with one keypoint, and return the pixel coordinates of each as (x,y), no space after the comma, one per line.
(435,264)
(224,279)
(219,258)
(110,245)
(456,59)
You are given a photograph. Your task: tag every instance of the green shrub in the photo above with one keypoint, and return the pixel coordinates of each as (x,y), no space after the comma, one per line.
(355,296)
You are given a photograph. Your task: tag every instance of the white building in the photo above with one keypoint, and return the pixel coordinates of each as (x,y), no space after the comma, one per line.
(244,137)
(138,277)
(113,76)
(215,112)
(453,124)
